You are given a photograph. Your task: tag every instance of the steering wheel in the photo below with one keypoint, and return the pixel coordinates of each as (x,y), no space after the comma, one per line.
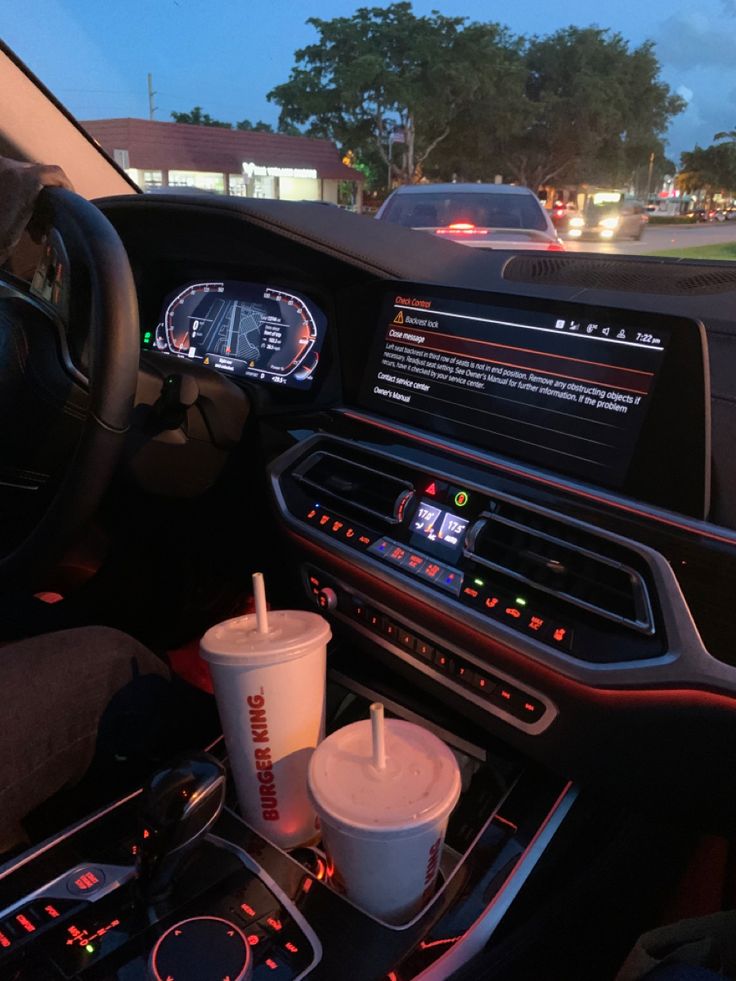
(69,351)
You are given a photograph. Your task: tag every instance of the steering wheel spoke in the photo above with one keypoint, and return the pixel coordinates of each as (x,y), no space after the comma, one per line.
(60,438)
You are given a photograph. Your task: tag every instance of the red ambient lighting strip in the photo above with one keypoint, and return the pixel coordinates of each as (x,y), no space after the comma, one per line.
(557,484)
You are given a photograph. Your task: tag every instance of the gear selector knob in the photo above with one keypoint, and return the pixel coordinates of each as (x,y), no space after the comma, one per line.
(178,805)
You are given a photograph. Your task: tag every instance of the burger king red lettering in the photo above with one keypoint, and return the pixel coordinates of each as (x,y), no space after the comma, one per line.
(258,720)
(433,862)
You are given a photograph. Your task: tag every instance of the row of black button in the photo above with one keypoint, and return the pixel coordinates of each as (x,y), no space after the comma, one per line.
(338,527)
(418,564)
(513,700)
(279,948)
(28,920)
(514,611)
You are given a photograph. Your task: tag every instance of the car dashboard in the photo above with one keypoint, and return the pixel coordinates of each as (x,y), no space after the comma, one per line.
(550,505)
(506,481)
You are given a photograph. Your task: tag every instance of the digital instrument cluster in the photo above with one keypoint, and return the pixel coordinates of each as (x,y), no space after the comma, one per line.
(251,330)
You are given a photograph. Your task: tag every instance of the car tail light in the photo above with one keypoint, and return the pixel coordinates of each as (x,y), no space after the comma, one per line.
(555,247)
(461,228)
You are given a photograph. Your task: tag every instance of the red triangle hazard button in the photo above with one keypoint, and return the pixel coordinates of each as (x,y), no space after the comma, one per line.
(431,489)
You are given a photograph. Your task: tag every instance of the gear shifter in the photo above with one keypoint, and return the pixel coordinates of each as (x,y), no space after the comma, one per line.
(178,805)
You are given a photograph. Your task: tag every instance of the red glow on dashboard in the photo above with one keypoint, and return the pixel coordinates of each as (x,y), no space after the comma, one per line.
(83,937)
(426,944)
(25,923)
(694,527)
(89,879)
(689,698)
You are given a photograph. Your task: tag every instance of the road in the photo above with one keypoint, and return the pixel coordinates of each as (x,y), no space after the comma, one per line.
(657,238)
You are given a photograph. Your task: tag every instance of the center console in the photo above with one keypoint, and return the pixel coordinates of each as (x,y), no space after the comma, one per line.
(165,885)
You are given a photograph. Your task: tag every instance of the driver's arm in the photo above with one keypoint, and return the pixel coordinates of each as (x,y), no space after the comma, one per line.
(20,185)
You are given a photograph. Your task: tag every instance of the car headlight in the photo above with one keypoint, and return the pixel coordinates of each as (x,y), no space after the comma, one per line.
(577,223)
(609,223)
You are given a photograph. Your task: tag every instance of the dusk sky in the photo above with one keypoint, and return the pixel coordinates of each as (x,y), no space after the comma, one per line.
(225,55)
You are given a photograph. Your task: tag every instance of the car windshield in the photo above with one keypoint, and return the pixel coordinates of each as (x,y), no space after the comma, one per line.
(344,104)
(487,210)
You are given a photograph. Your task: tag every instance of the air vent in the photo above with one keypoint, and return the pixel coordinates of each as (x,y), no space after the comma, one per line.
(334,478)
(573,565)
(623,274)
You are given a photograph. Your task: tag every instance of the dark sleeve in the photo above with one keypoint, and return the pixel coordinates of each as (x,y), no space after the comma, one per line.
(54,690)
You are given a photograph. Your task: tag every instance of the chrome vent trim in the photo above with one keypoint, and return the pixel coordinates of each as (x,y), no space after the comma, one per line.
(405,490)
(643,621)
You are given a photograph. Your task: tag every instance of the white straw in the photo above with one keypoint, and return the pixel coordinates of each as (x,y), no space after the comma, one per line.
(379,736)
(259,593)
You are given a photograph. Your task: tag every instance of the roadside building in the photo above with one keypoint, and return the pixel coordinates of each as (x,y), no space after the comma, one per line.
(228,161)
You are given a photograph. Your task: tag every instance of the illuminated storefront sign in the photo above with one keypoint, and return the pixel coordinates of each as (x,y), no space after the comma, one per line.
(256,170)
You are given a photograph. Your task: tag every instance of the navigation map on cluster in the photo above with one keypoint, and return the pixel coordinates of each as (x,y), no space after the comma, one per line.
(247,329)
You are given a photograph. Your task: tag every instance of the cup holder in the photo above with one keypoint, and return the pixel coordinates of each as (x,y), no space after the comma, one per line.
(315,861)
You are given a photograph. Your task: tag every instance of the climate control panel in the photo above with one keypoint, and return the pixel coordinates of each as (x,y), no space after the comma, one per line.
(505,562)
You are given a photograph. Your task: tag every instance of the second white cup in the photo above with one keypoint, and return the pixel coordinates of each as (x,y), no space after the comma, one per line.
(383,828)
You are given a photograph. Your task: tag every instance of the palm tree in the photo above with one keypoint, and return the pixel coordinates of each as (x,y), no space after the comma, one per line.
(729,135)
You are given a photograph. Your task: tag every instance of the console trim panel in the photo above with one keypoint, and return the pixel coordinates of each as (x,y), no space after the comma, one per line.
(687,662)
(477,936)
(532,729)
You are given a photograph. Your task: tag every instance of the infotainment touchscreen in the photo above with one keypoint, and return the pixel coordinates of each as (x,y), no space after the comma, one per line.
(563,387)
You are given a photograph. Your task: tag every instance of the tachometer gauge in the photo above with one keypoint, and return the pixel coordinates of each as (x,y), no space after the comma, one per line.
(256,331)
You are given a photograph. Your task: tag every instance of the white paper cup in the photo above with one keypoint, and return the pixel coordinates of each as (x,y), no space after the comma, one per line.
(383,830)
(270,691)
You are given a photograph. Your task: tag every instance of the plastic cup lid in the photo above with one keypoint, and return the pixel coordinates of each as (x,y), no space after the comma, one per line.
(419,786)
(291,633)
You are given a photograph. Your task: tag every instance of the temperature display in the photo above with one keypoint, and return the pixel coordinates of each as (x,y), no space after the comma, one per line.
(436,525)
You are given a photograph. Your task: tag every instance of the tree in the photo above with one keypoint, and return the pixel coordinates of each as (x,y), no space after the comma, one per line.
(199,118)
(260,127)
(709,169)
(389,84)
(593,109)
(729,134)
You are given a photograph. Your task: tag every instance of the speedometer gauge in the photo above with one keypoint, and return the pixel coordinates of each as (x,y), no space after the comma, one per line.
(180,321)
(256,331)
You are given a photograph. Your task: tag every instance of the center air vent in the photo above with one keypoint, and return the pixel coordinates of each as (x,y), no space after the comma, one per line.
(579,567)
(334,478)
